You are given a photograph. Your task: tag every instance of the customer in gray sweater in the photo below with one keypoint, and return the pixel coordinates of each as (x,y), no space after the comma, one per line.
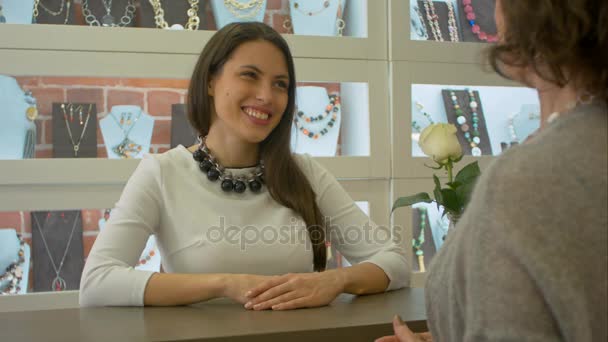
(528,260)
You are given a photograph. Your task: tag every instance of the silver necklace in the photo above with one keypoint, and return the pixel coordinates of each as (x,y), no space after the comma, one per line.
(108,20)
(75,145)
(58,284)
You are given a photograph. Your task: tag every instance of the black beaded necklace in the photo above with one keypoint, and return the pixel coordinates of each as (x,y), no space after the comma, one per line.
(214,171)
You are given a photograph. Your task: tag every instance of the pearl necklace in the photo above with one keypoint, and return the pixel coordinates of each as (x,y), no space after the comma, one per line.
(214,171)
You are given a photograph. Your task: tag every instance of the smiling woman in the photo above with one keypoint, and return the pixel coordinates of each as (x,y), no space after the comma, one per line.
(264,248)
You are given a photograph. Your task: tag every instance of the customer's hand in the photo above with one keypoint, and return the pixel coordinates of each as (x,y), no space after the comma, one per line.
(296,290)
(404,334)
(236,285)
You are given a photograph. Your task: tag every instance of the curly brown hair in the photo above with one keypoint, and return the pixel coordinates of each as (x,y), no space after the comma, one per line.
(563,41)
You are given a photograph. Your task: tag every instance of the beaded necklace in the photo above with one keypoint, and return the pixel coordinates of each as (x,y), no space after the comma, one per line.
(419,242)
(473,139)
(332,108)
(214,171)
(127,148)
(14,272)
(471,17)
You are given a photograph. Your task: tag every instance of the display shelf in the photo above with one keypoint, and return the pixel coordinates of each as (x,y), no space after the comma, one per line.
(403,48)
(406,74)
(155,41)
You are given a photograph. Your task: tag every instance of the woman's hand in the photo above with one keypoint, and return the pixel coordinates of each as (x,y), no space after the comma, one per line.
(236,285)
(404,334)
(296,290)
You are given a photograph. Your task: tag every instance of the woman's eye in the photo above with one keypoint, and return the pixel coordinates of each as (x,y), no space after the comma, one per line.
(282,84)
(249,74)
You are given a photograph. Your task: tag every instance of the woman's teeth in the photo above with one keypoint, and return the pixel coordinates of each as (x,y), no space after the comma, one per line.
(256,114)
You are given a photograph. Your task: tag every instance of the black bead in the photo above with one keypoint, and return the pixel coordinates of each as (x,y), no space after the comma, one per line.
(255,186)
(227,185)
(205,165)
(198,155)
(239,187)
(213,174)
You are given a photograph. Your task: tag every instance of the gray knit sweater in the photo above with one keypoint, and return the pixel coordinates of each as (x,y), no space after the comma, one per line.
(528,260)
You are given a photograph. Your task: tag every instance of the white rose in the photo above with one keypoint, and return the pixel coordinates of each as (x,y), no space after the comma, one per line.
(439,142)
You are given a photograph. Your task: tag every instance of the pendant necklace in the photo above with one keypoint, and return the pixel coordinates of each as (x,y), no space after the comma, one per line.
(340,23)
(64,3)
(127,148)
(58,284)
(75,145)
(238,9)
(417,243)
(159,16)
(214,171)
(14,272)
(471,17)
(108,19)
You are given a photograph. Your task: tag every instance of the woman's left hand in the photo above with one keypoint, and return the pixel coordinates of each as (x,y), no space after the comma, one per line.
(296,290)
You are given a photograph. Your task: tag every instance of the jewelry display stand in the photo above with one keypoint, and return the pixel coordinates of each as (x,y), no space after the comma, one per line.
(118,11)
(9,253)
(62,240)
(18,11)
(17,129)
(132,138)
(428,247)
(225,14)
(82,120)
(175,14)
(313,101)
(463,100)
(484,17)
(59,12)
(441,9)
(312,17)
(181,131)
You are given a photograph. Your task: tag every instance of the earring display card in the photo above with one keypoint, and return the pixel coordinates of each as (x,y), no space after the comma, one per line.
(428,247)
(441,9)
(57,250)
(56,12)
(80,140)
(484,17)
(181,131)
(175,13)
(463,101)
(119,13)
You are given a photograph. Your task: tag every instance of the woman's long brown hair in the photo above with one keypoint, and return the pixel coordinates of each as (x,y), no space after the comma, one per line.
(280,167)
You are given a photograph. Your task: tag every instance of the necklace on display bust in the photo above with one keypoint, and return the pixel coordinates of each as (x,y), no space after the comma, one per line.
(64,3)
(75,145)
(208,165)
(2,17)
(14,272)
(108,19)
(433,19)
(244,10)
(340,23)
(325,5)
(471,17)
(473,139)
(333,107)
(193,18)
(127,148)
(58,283)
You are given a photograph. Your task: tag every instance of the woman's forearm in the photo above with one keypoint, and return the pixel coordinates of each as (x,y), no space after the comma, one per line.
(364,278)
(168,289)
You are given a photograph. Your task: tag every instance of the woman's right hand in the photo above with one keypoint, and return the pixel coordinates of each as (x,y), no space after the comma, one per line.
(236,285)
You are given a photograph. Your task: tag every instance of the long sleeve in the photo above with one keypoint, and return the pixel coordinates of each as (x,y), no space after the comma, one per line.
(528,259)
(352,233)
(109,277)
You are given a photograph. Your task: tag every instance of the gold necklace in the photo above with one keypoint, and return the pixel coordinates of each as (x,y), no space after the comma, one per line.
(236,8)
(193,18)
